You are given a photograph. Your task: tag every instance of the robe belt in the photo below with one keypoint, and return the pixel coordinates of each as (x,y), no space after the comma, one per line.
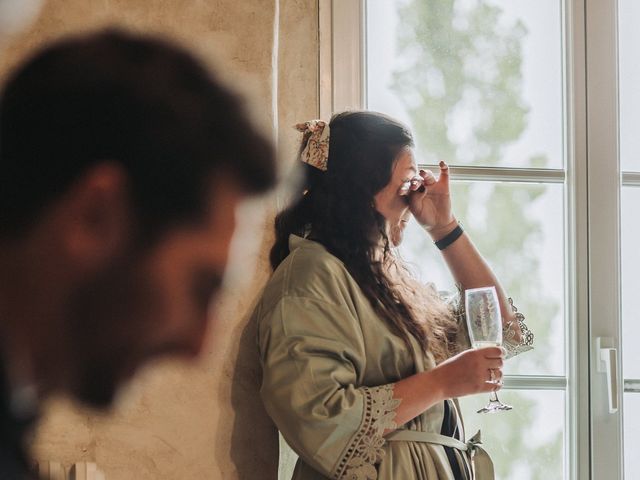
(482,464)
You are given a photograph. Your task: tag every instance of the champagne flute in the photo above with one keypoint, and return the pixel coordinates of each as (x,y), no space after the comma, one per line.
(484,322)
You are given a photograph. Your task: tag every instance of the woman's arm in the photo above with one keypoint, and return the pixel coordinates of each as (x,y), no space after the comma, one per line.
(470,270)
(432,210)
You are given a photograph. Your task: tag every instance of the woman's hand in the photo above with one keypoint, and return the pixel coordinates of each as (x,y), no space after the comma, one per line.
(432,206)
(469,372)
(465,374)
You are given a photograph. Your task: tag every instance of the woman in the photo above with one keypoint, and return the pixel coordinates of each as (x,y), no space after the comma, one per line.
(354,350)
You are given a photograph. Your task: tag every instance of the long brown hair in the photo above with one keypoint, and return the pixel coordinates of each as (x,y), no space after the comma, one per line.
(337,207)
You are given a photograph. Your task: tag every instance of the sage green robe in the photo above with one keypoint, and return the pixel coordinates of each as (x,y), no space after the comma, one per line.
(329,364)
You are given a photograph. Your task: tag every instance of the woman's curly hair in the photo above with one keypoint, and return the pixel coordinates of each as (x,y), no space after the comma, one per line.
(336,208)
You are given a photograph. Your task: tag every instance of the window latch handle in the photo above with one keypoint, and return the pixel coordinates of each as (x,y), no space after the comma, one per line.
(607,356)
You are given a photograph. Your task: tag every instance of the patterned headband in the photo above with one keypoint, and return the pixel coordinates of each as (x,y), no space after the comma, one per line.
(316,151)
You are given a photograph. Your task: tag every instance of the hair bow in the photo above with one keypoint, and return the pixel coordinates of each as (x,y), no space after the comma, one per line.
(316,150)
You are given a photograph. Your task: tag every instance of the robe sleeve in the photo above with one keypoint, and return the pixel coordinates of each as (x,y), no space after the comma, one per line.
(312,354)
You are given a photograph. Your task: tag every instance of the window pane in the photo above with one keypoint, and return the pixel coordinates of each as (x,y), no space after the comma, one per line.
(629,78)
(631,435)
(525,443)
(630,282)
(479,81)
(518,228)
(630,326)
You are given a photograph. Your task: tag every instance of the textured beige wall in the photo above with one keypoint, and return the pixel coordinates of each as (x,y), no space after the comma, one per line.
(240,33)
(199,421)
(297,71)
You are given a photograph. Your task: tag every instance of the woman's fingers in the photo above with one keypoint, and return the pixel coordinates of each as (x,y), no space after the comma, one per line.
(492,375)
(494,363)
(489,387)
(444,172)
(428,176)
(491,370)
(492,352)
(443,179)
(444,168)
(472,371)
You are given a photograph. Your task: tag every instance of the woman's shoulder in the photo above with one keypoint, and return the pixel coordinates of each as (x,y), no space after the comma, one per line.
(309,271)
(310,294)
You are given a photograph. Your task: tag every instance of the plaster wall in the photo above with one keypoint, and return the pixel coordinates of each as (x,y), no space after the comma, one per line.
(200,421)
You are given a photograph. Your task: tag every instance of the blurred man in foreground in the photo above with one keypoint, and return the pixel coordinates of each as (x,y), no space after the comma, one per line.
(122,163)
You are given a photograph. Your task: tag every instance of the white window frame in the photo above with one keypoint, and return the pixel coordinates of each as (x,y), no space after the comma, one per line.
(587,145)
(604,181)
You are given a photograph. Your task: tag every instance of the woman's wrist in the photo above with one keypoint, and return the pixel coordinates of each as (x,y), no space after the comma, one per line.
(433,383)
(439,232)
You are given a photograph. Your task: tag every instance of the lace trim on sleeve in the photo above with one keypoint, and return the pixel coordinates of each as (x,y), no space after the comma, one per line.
(508,341)
(365,450)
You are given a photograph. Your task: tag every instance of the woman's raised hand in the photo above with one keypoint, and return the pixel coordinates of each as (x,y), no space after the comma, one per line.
(469,372)
(431,206)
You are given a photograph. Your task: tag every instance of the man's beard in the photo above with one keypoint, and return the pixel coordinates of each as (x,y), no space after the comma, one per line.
(104,329)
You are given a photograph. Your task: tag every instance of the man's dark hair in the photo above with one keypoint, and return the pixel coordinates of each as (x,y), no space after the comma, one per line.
(136,100)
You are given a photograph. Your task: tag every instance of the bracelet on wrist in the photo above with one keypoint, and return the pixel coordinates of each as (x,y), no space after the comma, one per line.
(451,237)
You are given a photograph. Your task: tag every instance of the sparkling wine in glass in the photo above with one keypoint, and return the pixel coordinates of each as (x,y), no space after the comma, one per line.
(485,330)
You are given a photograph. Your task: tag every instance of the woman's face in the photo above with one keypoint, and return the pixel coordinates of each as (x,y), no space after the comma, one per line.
(390,202)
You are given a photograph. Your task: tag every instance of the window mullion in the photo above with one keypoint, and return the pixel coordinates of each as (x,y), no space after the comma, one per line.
(535,382)
(632,385)
(500,174)
(631,179)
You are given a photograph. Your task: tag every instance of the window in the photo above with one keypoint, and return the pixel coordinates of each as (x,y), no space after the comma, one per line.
(534,103)
(481,85)
(629,114)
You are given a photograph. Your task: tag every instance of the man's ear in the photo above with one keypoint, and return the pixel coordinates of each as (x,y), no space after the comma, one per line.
(96,216)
